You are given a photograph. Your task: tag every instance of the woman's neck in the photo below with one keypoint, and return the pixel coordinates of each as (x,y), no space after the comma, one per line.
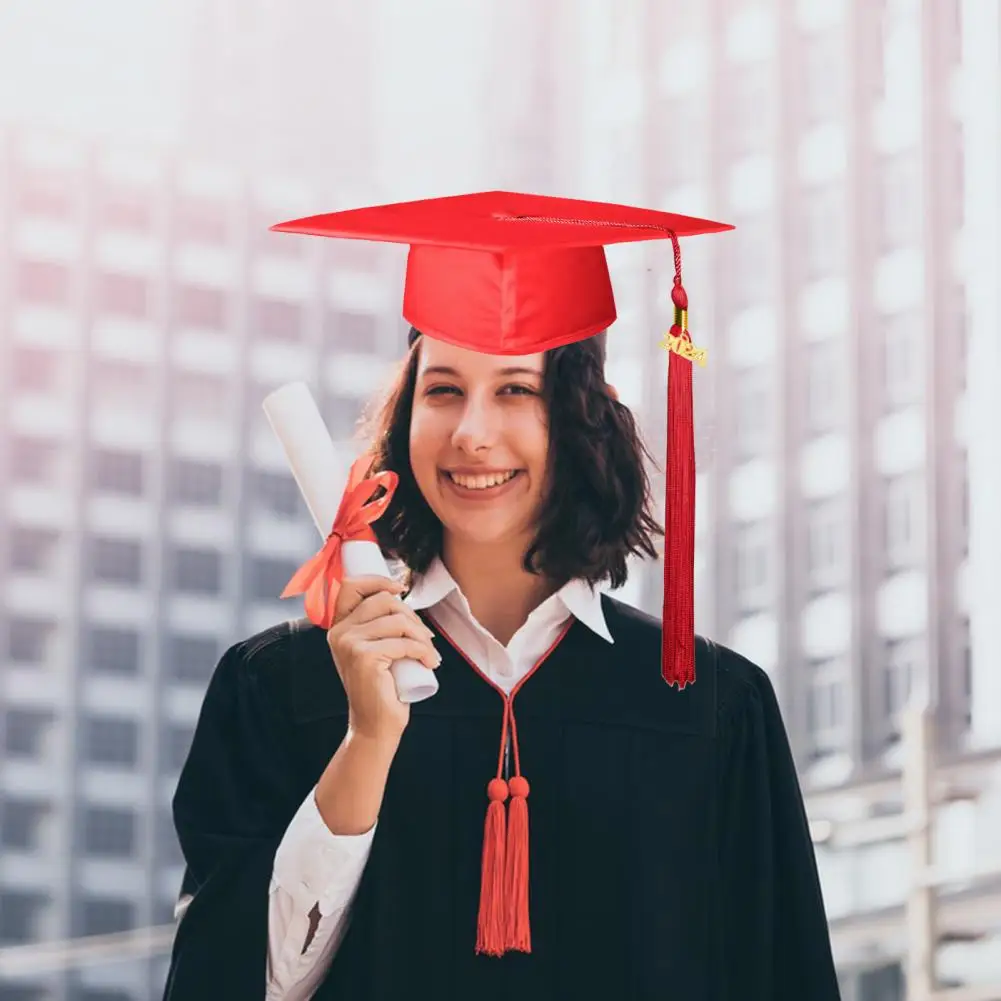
(501,593)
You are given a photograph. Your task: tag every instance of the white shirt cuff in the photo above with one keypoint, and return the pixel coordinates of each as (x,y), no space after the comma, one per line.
(315,866)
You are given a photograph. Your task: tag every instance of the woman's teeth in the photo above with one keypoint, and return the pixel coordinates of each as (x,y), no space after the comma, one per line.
(482,482)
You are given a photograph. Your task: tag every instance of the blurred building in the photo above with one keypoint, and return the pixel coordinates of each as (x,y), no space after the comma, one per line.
(848,481)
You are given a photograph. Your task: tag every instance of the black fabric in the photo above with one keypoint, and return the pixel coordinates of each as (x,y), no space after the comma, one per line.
(670,854)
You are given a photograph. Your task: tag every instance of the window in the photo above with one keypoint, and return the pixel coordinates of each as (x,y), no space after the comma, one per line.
(826,707)
(198,571)
(903,521)
(116,561)
(32,549)
(124,209)
(101,994)
(43,283)
(44,193)
(964,503)
(201,307)
(825,386)
(168,847)
(34,369)
(966,669)
(28,638)
(753,410)
(751,106)
(753,557)
(176,744)
(111,741)
(824,66)
(201,220)
(268,577)
(33,460)
(193,482)
(824,232)
(118,472)
(25,731)
(886,983)
(21,819)
(18,913)
(826,544)
(903,359)
(279,319)
(197,394)
(105,916)
(122,383)
(275,492)
(900,200)
(23,992)
(340,414)
(123,295)
(114,650)
(109,832)
(352,332)
(903,669)
(192,658)
(751,262)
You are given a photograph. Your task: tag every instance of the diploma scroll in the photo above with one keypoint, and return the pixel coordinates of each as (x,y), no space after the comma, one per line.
(297,422)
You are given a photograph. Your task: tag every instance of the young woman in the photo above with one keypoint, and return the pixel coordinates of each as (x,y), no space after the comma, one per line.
(341,844)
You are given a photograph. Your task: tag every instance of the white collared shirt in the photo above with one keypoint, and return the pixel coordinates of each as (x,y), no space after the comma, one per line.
(315,868)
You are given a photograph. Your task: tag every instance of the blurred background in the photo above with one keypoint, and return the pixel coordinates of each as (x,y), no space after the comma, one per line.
(848,435)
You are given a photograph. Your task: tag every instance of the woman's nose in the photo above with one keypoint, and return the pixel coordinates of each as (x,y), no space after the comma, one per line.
(477,427)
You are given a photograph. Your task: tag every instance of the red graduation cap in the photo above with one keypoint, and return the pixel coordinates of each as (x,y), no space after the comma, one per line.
(507,273)
(504,273)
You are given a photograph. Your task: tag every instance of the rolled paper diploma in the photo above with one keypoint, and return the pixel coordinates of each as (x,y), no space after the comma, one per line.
(297,422)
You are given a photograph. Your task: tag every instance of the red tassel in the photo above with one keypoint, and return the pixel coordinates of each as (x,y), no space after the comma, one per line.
(519,932)
(678,642)
(491,927)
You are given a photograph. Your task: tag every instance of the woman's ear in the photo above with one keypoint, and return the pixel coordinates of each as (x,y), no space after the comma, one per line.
(612,391)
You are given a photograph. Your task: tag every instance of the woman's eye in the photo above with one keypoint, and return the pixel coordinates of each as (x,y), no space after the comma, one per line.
(515,390)
(440,390)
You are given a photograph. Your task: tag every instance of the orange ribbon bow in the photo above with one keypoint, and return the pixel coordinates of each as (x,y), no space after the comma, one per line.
(319,578)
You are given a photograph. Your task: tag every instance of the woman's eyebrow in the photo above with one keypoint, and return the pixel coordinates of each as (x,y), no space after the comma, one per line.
(511,370)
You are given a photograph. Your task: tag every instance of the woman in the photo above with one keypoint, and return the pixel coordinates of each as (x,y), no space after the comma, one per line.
(341,844)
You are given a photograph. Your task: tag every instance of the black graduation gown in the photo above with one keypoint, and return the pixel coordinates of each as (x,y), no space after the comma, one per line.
(670,855)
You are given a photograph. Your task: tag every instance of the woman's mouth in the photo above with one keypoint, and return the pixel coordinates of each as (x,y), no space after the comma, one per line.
(481,484)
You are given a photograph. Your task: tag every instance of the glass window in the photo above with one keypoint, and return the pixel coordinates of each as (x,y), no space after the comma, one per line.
(43,283)
(32,549)
(824,231)
(21,819)
(754,410)
(28,638)
(268,577)
(176,744)
(195,482)
(903,521)
(126,209)
(202,307)
(198,394)
(826,404)
(753,556)
(900,200)
(34,370)
(198,571)
(904,667)
(279,319)
(122,383)
(192,658)
(118,472)
(112,741)
(827,544)
(25,731)
(18,915)
(351,332)
(109,832)
(824,68)
(44,193)
(114,650)
(750,105)
(105,916)
(827,711)
(201,220)
(903,359)
(33,460)
(277,493)
(123,295)
(116,561)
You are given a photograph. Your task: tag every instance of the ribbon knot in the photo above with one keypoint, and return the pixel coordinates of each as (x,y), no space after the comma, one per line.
(319,578)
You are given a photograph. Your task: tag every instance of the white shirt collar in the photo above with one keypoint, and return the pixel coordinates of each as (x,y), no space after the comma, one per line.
(576,597)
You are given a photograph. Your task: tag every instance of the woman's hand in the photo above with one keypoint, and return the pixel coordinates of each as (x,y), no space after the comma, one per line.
(372,629)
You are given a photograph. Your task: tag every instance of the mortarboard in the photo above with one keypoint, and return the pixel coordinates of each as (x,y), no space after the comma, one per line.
(511,274)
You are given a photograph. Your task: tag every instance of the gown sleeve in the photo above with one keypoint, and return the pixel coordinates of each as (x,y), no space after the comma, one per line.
(775,942)
(236,795)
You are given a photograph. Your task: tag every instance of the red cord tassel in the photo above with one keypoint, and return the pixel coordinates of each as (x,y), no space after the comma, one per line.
(678,642)
(519,932)
(491,925)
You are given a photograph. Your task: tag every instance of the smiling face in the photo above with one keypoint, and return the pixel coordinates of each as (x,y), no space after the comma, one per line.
(479,442)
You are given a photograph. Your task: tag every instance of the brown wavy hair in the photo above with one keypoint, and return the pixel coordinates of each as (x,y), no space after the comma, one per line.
(598,510)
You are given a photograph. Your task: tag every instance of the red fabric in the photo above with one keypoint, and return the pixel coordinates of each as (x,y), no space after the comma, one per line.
(319,578)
